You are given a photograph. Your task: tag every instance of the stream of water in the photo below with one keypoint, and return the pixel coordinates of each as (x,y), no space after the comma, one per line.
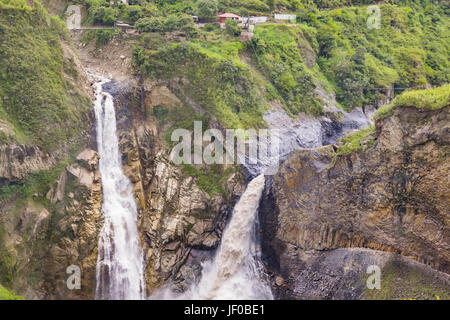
(236,271)
(120,273)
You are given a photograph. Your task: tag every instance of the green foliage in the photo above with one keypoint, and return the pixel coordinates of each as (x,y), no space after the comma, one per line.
(206,8)
(431,99)
(165,24)
(209,27)
(7,263)
(212,179)
(37,99)
(8,295)
(37,182)
(59,27)
(102,37)
(359,64)
(219,84)
(160,113)
(104,15)
(402,281)
(232,27)
(14,4)
(276,48)
(410,50)
(353,142)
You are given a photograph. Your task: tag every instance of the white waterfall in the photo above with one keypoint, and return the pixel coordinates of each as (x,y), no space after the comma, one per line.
(120,260)
(236,272)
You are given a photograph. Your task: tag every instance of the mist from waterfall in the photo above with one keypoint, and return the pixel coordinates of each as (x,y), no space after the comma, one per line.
(236,271)
(120,274)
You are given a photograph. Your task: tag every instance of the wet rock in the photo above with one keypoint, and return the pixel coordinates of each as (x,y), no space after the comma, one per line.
(392,197)
(18,161)
(176,215)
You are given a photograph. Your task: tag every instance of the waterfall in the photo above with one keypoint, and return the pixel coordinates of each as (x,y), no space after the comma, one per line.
(120,258)
(236,271)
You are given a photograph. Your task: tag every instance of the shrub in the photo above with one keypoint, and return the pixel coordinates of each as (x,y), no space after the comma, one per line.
(160,24)
(104,15)
(41,101)
(102,37)
(353,142)
(206,8)
(232,27)
(153,24)
(431,99)
(277,50)
(209,27)
(8,295)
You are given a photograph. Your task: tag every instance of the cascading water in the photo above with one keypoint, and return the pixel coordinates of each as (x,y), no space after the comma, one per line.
(120,259)
(236,273)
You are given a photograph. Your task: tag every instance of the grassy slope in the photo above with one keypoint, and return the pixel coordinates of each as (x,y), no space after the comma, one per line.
(331,49)
(44,106)
(402,282)
(431,99)
(361,64)
(8,295)
(38,95)
(220,84)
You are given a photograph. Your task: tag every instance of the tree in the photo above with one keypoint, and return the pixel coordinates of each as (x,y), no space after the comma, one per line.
(232,27)
(207,8)
(150,24)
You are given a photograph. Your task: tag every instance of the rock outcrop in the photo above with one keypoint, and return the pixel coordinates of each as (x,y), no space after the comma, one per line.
(17,161)
(393,197)
(180,223)
(46,234)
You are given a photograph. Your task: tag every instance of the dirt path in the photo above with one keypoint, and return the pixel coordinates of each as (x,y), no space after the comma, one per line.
(112,60)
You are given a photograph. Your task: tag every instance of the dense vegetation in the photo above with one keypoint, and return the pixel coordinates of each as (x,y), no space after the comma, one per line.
(216,79)
(38,95)
(8,295)
(362,65)
(357,140)
(282,53)
(328,52)
(431,99)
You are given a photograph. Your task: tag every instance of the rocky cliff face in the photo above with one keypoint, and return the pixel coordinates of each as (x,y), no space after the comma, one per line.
(50,196)
(392,197)
(180,223)
(18,161)
(46,234)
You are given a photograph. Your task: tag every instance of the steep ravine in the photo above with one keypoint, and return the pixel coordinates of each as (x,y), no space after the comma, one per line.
(180,223)
(324,217)
(321,208)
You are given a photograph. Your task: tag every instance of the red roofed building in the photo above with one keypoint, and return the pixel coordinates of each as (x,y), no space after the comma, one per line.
(223,17)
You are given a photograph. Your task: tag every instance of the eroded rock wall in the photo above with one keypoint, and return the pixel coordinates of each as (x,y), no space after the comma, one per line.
(393,197)
(180,223)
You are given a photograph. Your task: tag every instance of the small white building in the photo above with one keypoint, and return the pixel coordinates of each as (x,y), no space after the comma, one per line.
(111,2)
(280,16)
(254,20)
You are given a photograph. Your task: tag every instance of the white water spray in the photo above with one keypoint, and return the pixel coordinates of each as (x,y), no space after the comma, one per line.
(236,271)
(120,260)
